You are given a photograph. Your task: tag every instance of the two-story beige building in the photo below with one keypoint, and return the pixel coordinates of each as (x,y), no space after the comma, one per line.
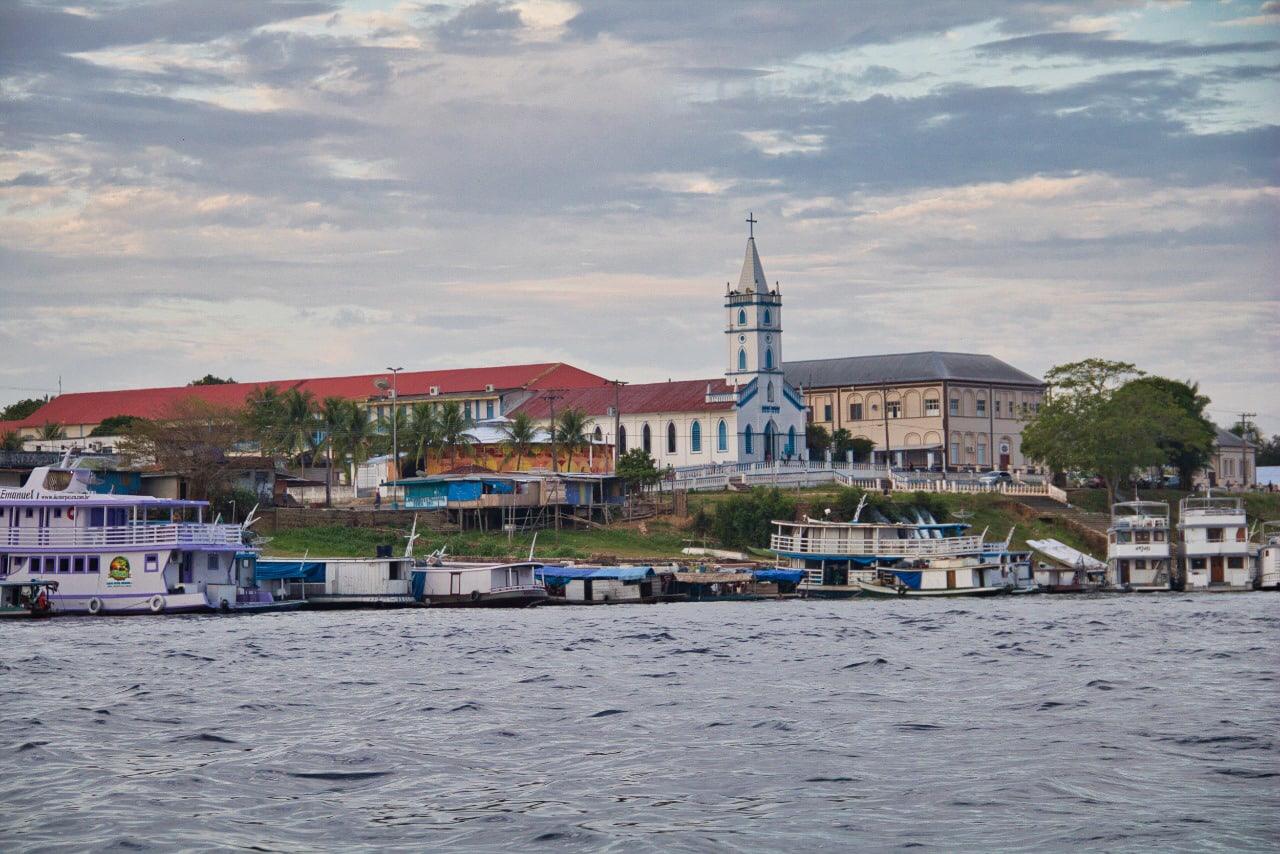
(955,411)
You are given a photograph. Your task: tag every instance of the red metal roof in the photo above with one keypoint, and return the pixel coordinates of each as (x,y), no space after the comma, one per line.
(679,396)
(93,407)
(9,426)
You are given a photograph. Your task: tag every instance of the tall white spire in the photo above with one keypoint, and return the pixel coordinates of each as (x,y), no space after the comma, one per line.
(752,278)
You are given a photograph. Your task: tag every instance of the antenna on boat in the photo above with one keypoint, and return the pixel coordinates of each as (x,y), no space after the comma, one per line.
(66,459)
(533,545)
(249,519)
(984,533)
(412,537)
(1009,539)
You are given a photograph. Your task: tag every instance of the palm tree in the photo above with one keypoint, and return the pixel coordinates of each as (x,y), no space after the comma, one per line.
(296,430)
(11,441)
(334,420)
(571,432)
(360,435)
(263,414)
(421,433)
(520,434)
(453,430)
(50,432)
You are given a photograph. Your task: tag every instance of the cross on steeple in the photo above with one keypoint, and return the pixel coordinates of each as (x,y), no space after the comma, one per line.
(751,224)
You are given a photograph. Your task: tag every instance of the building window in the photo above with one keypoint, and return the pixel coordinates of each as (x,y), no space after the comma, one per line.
(982,451)
(671,437)
(995,402)
(932,406)
(982,406)
(742,359)
(748,440)
(893,409)
(646,439)
(742,317)
(768,359)
(955,450)
(722,436)
(855,412)
(695,437)
(954,406)
(768,318)
(488,409)
(768,392)
(826,412)
(791,441)
(622,439)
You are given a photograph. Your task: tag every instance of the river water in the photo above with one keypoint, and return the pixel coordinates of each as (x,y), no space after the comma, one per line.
(1028,723)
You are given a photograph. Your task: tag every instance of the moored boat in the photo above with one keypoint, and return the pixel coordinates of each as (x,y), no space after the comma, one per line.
(454,584)
(1068,570)
(334,582)
(1268,577)
(951,576)
(609,585)
(1138,553)
(21,599)
(1216,553)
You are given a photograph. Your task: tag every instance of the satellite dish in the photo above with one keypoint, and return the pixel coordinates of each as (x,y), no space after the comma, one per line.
(382,384)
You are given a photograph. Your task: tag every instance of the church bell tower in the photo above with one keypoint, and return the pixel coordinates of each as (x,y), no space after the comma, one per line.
(754,328)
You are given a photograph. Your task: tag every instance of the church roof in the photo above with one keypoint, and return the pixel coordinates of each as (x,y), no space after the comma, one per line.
(752,278)
(640,398)
(928,366)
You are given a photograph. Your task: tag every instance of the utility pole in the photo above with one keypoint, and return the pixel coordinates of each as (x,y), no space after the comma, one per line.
(617,420)
(395,441)
(551,397)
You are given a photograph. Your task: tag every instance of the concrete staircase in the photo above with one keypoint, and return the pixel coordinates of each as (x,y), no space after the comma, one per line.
(1091,526)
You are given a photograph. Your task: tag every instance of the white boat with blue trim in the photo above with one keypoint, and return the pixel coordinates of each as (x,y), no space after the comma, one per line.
(122,554)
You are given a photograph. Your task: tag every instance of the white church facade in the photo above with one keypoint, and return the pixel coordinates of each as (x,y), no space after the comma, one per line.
(750,414)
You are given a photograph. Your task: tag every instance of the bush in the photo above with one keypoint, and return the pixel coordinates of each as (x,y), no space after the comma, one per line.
(745,521)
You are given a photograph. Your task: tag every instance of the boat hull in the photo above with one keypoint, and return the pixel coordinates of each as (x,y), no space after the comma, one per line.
(873,589)
(499,599)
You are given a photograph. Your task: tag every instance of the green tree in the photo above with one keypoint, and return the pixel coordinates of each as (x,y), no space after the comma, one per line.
(571,433)
(1248,431)
(22,409)
(1191,452)
(818,440)
(520,435)
(453,430)
(745,520)
(116,425)
(638,469)
(1269,452)
(11,441)
(295,431)
(333,420)
(420,434)
(263,415)
(210,379)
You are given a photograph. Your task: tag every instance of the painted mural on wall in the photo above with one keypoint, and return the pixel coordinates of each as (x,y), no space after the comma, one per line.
(495,458)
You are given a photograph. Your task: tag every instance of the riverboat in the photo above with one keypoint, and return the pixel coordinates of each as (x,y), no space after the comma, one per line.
(1269,557)
(842,559)
(120,554)
(453,584)
(1138,547)
(609,585)
(333,582)
(1068,570)
(1216,553)
(19,599)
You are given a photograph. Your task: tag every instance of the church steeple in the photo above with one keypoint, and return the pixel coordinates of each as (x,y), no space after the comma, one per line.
(752,279)
(754,327)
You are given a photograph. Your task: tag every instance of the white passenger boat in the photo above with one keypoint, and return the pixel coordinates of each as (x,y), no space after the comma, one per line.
(339,582)
(1216,553)
(121,554)
(443,583)
(841,559)
(1138,553)
(1269,557)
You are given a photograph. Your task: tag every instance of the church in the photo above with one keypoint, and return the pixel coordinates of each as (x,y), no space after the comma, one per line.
(750,414)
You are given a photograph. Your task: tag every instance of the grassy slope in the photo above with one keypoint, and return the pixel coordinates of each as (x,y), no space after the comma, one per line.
(659,539)
(1260,506)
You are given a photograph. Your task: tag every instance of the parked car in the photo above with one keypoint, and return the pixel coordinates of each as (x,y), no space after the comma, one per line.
(992,478)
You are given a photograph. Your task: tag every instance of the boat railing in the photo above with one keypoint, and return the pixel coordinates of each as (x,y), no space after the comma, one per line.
(171,534)
(945,546)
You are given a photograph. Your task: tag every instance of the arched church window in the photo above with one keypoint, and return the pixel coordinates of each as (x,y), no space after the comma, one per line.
(695,438)
(742,317)
(598,435)
(671,437)
(722,436)
(748,440)
(742,359)
(768,392)
(768,317)
(622,439)
(768,359)
(646,438)
(791,441)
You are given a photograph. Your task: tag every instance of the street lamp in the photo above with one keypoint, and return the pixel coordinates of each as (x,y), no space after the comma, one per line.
(395,441)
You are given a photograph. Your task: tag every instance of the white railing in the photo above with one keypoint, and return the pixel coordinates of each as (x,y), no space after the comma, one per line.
(861,547)
(166,535)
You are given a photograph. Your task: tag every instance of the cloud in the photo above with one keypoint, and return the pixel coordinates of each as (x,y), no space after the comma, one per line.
(1109,46)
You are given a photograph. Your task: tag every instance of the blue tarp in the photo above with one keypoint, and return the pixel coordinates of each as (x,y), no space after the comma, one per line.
(310,571)
(561,575)
(792,576)
(911,579)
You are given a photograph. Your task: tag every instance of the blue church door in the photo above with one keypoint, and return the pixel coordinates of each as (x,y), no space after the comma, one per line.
(770,442)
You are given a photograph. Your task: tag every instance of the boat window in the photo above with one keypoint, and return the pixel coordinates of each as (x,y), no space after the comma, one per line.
(1142,536)
(1123,537)
(78,565)
(1197,563)
(212,563)
(151,563)
(64,564)
(29,513)
(1215,535)
(1157,536)
(1235,563)
(57,512)
(1139,563)
(92,564)
(56,481)
(1239,535)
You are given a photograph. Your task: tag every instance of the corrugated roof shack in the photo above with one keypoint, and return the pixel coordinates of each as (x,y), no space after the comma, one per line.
(516,501)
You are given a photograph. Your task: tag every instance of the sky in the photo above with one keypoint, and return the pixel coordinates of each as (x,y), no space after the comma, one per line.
(267,190)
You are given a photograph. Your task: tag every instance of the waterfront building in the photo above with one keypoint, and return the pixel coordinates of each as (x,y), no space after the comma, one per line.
(1216,552)
(750,414)
(1232,463)
(487,500)
(931,409)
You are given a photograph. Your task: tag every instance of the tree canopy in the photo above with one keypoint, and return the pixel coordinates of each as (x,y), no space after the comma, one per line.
(116,425)
(210,379)
(191,439)
(22,409)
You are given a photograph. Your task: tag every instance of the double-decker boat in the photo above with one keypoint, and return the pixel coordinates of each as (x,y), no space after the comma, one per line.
(1216,553)
(1269,557)
(925,558)
(1138,547)
(121,554)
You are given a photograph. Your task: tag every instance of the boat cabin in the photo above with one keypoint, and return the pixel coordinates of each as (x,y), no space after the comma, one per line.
(1216,552)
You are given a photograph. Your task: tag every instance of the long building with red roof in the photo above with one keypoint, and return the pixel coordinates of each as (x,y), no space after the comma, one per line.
(483,392)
